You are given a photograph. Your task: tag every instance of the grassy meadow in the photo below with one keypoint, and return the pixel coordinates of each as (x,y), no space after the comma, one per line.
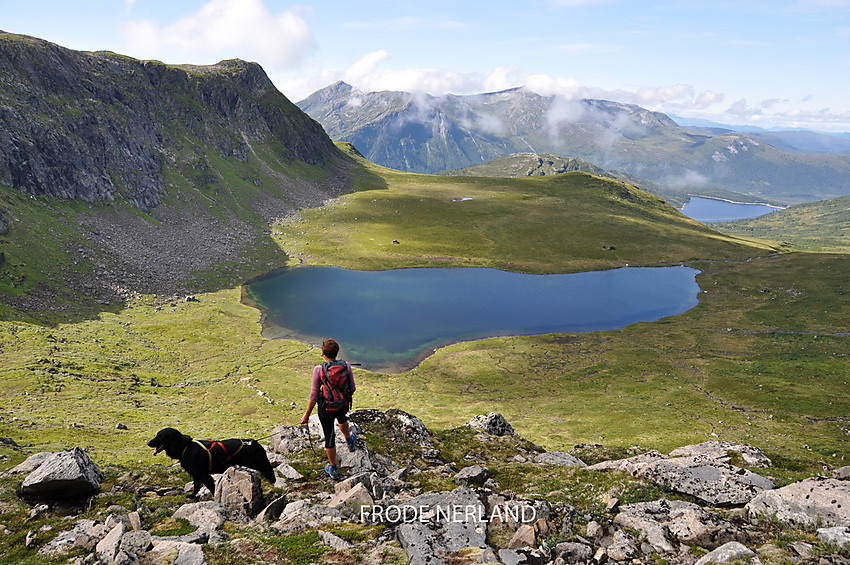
(761,360)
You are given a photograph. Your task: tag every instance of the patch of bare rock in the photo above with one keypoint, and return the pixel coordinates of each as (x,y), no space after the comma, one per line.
(474,520)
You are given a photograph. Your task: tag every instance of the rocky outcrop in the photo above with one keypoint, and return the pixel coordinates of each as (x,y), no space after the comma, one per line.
(67,474)
(468,524)
(666,523)
(723,451)
(699,475)
(435,525)
(492,423)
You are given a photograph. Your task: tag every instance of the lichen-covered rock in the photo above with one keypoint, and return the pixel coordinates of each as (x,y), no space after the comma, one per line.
(492,423)
(291,439)
(67,474)
(239,491)
(558,459)
(838,535)
(722,452)
(666,523)
(441,523)
(699,476)
(206,515)
(732,551)
(815,500)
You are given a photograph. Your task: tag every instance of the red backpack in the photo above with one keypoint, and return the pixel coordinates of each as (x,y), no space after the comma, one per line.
(335,386)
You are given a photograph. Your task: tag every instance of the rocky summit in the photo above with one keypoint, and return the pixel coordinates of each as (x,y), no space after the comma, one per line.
(457,497)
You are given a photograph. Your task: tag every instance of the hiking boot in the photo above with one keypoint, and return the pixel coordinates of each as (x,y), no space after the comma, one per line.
(351,440)
(331,471)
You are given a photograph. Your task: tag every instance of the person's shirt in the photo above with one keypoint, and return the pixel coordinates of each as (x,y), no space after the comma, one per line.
(317,381)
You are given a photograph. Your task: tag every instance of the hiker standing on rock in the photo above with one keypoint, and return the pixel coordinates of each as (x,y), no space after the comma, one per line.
(332,389)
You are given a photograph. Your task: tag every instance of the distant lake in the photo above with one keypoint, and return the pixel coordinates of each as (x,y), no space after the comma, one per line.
(709,210)
(391,320)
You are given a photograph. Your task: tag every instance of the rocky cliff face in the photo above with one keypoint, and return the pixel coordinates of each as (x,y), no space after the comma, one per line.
(96,126)
(182,167)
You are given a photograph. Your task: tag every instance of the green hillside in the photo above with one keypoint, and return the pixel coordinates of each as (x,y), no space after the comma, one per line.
(822,226)
(120,176)
(562,223)
(527,165)
(760,360)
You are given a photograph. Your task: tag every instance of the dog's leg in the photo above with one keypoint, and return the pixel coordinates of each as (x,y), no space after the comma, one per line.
(266,470)
(209,483)
(196,487)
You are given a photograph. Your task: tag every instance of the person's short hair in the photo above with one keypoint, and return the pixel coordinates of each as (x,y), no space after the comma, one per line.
(330,348)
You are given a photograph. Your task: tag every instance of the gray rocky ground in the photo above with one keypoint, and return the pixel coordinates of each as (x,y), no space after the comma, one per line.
(380,512)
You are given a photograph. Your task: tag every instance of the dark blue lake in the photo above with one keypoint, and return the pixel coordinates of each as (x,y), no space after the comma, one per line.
(708,210)
(391,320)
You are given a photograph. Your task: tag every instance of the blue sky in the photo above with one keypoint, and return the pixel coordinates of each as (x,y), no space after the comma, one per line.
(766,63)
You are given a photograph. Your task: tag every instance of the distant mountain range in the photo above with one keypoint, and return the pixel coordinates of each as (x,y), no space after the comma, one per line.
(427,134)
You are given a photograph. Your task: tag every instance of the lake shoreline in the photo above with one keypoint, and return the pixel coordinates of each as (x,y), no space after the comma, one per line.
(425,309)
(732,202)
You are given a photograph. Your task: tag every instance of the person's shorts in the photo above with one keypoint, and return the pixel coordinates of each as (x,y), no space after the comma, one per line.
(327,420)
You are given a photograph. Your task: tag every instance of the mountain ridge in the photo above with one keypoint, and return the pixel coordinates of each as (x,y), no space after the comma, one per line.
(85,125)
(120,176)
(423,133)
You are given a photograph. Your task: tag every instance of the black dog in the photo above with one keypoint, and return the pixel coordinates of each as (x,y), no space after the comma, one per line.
(203,458)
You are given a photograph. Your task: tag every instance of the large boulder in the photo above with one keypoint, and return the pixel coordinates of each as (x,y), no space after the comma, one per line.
(239,491)
(206,515)
(732,551)
(67,474)
(558,459)
(699,476)
(816,500)
(492,423)
(291,439)
(393,425)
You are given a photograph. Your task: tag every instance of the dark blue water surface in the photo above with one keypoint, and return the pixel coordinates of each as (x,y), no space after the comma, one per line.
(391,320)
(714,210)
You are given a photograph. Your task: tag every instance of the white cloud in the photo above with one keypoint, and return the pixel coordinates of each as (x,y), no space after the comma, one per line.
(367,75)
(226,29)
(689,179)
(501,78)
(364,67)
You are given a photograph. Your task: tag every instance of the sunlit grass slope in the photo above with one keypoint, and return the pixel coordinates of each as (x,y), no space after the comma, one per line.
(563,223)
(762,359)
(815,226)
